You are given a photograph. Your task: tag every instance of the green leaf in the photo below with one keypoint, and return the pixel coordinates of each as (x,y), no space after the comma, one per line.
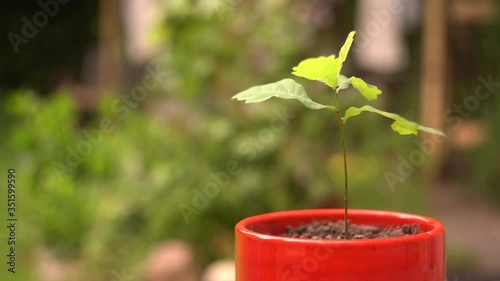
(343,82)
(400,125)
(323,69)
(347,46)
(370,92)
(283,89)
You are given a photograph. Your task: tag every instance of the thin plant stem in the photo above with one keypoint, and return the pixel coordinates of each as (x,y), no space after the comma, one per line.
(342,138)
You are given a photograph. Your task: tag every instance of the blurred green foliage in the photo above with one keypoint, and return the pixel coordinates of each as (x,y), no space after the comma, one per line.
(479,167)
(123,196)
(485,160)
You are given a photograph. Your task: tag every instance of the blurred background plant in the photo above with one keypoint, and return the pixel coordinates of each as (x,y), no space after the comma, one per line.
(96,202)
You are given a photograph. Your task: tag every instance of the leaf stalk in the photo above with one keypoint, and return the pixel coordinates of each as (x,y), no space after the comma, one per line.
(342,138)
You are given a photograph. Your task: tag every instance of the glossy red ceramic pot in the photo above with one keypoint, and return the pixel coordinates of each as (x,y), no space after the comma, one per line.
(263,255)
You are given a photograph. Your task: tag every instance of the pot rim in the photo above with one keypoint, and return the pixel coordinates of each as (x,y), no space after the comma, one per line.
(436,230)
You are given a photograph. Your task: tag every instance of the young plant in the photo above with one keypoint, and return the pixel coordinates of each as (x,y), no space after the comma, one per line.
(327,70)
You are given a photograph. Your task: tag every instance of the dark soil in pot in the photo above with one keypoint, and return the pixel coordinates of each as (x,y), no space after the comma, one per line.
(335,230)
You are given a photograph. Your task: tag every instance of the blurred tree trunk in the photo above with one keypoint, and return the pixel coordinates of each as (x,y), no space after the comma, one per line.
(110,46)
(433,78)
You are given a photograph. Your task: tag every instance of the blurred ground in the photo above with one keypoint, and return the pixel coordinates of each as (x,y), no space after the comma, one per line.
(473,227)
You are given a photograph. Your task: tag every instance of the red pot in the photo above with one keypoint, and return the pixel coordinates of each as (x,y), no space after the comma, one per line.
(262,255)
